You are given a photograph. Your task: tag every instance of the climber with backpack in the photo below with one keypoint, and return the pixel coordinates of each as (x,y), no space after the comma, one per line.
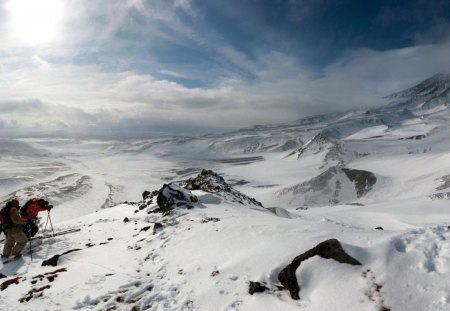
(11,224)
(29,213)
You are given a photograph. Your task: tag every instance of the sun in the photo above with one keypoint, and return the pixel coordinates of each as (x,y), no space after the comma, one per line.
(35,21)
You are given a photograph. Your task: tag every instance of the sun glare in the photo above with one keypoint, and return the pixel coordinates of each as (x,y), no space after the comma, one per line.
(35,21)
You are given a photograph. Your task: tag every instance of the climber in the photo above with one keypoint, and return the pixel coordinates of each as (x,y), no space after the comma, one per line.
(12,226)
(29,213)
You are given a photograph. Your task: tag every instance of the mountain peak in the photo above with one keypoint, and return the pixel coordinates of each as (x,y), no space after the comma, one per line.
(434,86)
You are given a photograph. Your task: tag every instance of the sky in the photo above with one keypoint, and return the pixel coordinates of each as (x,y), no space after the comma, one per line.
(134,68)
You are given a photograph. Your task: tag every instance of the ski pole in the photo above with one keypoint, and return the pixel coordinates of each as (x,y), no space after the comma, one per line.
(48,215)
(29,239)
(51,223)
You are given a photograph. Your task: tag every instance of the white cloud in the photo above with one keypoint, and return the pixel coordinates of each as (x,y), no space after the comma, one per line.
(48,86)
(40,62)
(172,73)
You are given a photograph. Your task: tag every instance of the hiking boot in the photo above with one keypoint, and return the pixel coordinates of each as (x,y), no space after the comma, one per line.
(17,257)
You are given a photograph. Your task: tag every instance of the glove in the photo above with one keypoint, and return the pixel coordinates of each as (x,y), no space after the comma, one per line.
(50,207)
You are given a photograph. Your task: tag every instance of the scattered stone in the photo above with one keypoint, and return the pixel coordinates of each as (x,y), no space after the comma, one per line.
(209,219)
(145,194)
(145,228)
(2,276)
(9,282)
(89,244)
(379,228)
(32,293)
(256,287)
(215,273)
(157,226)
(329,249)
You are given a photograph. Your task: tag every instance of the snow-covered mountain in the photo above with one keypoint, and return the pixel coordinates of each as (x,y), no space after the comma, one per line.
(218,239)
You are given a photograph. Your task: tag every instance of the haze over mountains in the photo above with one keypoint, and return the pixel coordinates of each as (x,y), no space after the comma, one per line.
(330,176)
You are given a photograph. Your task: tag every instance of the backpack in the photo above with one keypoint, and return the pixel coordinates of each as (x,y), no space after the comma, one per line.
(23,211)
(5,220)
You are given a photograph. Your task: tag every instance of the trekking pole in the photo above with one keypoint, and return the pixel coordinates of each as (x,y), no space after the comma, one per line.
(51,223)
(48,215)
(29,239)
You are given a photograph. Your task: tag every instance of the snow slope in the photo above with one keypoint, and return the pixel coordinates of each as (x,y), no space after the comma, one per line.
(326,177)
(205,257)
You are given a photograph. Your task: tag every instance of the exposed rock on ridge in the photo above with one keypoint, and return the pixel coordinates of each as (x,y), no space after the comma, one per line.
(329,186)
(211,182)
(172,195)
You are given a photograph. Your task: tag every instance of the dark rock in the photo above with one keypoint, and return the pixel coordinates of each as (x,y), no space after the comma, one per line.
(32,292)
(173,196)
(211,182)
(363,180)
(379,228)
(2,276)
(148,196)
(126,220)
(256,287)
(329,249)
(145,194)
(9,282)
(54,260)
(440,196)
(209,219)
(215,273)
(157,226)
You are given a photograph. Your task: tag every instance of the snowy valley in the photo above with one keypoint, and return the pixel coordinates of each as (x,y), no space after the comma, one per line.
(238,208)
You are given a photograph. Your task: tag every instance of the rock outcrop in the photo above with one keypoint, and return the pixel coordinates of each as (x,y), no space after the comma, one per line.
(363,180)
(211,182)
(329,249)
(331,187)
(173,196)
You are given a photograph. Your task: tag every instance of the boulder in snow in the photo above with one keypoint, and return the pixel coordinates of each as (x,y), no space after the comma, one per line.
(173,196)
(329,249)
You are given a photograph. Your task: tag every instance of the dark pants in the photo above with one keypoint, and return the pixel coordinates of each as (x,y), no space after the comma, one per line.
(30,229)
